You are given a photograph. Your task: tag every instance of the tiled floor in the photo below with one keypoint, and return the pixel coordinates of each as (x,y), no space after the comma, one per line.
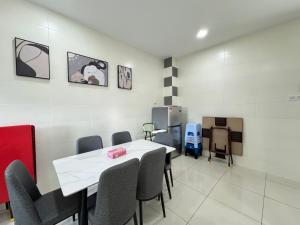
(213,194)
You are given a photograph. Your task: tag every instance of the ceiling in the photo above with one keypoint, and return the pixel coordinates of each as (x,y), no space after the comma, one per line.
(168,27)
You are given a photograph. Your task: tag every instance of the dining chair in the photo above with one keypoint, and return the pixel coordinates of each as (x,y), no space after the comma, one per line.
(116,199)
(29,206)
(166,139)
(148,129)
(88,144)
(150,178)
(121,138)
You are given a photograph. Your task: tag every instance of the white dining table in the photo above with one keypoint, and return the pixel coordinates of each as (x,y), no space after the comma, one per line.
(78,172)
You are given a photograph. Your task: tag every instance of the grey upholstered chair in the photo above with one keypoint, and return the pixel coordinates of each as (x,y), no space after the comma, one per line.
(88,144)
(29,206)
(121,138)
(166,139)
(116,199)
(150,178)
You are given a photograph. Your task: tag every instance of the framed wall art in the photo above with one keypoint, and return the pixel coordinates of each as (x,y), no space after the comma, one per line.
(87,70)
(32,59)
(124,77)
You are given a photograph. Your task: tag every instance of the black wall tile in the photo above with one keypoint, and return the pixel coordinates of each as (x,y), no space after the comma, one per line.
(168,62)
(168,81)
(174,72)
(168,100)
(174,91)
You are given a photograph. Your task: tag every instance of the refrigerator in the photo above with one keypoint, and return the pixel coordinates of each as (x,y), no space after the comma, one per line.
(169,118)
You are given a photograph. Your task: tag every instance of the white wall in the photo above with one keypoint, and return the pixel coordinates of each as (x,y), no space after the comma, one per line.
(252,77)
(62,111)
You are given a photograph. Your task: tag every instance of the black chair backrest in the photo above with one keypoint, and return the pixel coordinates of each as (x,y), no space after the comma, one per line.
(87,144)
(165,139)
(121,138)
(116,196)
(151,174)
(22,192)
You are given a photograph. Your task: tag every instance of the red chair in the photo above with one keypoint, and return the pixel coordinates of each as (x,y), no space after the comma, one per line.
(16,143)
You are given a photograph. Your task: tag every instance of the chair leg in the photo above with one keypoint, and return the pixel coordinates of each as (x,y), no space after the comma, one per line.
(135,219)
(141,212)
(79,219)
(74,218)
(171,175)
(8,207)
(168,183)
(209,158)
(163,204)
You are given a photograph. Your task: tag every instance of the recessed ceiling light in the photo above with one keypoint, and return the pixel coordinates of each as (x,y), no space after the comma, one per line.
(202,33)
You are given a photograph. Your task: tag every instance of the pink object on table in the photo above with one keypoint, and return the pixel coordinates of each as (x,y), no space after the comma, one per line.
(116,153)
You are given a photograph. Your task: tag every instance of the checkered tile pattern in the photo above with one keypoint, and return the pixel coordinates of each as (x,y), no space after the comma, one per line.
(170,82)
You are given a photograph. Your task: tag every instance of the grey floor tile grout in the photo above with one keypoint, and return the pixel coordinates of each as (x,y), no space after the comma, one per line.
(275,200)
(263,208)
(191,187)
(283,184)
(242,213)
(245,189)
(166,213)
(219,180)
(230,206)
(187,186)
(283,203)
(177,215)
(171,199)
(206,197)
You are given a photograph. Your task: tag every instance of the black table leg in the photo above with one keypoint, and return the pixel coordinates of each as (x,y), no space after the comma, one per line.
(83,218)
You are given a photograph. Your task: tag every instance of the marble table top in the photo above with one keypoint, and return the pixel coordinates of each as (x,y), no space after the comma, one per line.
(78,172)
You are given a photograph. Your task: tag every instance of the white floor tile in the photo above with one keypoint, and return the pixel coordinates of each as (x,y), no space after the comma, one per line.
(171,219)
(276,213)
(246,202)
(4,218)
(68,222)
(215,213)
(182,164)
(198,180)
(283,193)
(185,201)
(246,179)
(214,169)
(150,214)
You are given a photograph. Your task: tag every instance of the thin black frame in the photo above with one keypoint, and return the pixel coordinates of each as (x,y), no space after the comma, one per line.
(119,77)
(16,59)
(89,58)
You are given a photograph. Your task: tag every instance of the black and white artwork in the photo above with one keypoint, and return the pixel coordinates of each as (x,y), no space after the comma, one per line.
(86,70)
(124,77)
(32,59)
